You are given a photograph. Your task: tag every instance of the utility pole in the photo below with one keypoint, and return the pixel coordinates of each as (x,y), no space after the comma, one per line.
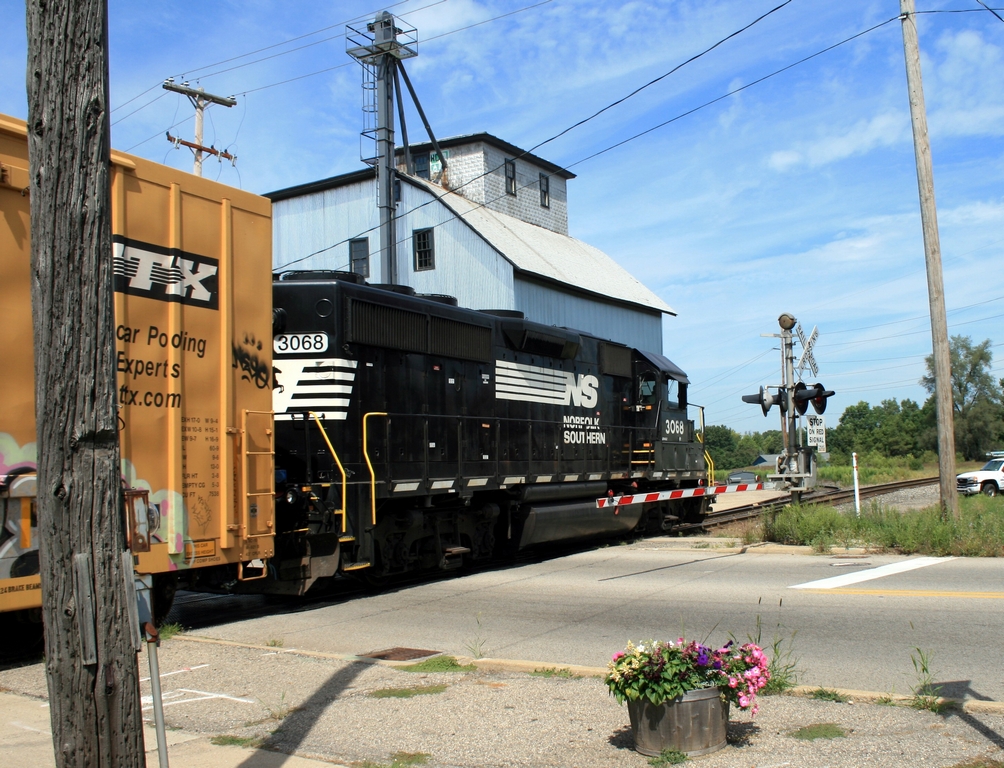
(86,570)
(199,99)
(932,255)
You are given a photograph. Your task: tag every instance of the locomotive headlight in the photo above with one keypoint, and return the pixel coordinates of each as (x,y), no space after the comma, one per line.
(292,496)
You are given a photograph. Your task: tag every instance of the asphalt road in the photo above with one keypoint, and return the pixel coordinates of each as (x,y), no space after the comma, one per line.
(580,608)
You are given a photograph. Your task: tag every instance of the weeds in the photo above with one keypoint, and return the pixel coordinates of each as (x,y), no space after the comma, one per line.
(476,645)
(398,760)
(979,532)
(280,711)
(819,731)
(885,701)
(825,694)
(564,672)
(926,695)
(276,642)
(167,631)
(251,742)
(783,666)
(407,693)
(438,664)
(668,757)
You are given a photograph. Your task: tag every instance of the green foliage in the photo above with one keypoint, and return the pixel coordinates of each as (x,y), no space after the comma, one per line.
(825,694)
(978,533)
(668,757)
(564,672)
(783,666)
(236,741)
(731,450)
(819,731)
(926,695)
(977,398)
(167,631)
(438,664)
(407,693)
(398,760)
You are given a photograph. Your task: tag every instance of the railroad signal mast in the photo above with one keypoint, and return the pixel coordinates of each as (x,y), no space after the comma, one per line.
(796,467)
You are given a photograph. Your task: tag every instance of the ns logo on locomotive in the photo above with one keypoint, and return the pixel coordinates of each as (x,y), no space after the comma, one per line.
(412,434)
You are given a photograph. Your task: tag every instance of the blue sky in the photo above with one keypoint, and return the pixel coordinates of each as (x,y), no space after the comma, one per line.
(797,194)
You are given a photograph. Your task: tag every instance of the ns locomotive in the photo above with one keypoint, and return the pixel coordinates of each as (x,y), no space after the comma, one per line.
(412,434)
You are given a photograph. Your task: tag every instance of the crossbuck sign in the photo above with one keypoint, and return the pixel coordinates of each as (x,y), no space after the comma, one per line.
(807,345)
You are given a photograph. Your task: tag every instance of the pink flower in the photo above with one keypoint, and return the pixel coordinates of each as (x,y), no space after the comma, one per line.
(618,655)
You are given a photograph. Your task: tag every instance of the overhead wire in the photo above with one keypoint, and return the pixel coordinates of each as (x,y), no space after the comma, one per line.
(524,153)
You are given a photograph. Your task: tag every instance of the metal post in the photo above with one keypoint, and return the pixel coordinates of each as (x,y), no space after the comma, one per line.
(857,492)
(152,641)
(385,167)
(932,255)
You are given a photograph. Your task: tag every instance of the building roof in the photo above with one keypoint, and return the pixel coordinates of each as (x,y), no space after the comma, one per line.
(495,141)
(539,252)
(454,141)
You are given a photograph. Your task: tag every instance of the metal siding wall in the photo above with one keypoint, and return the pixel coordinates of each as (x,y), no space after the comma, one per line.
(466,266)
(608,321)
(302,225)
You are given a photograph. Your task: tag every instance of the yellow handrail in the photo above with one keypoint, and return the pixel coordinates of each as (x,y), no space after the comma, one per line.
(707,456)
(338,461)
(366,455)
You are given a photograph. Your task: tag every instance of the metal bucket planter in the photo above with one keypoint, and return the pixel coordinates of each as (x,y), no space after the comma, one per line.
(694,723)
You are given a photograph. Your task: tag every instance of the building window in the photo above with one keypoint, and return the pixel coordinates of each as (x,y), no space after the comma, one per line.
(359,256)
(421,165)
(545,191)
(425,249)
(510,177)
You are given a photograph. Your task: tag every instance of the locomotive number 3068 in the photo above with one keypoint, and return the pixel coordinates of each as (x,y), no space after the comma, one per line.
(300,342)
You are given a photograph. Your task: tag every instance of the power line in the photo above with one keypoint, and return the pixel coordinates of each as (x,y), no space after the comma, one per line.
(436,198)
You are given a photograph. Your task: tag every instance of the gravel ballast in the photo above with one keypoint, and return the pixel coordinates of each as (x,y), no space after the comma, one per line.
(322,707)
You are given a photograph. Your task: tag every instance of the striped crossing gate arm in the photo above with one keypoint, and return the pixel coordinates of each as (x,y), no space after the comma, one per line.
(680,493)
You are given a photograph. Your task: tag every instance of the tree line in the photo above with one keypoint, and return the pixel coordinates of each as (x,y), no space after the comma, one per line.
(895,428)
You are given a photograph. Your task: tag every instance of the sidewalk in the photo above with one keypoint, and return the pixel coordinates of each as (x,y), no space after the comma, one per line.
(309,709)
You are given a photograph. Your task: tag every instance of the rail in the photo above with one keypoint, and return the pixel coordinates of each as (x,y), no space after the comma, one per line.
(338,462)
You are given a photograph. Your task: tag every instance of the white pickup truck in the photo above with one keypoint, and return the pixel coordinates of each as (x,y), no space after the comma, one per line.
(988,480)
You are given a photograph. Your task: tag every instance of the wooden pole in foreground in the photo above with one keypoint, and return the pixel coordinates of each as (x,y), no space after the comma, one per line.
(90,656)
(932,255)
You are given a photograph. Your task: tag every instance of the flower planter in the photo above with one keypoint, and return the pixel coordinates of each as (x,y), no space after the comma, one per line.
(694,723)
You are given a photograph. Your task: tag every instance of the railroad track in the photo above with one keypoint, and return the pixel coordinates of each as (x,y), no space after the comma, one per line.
(828,496)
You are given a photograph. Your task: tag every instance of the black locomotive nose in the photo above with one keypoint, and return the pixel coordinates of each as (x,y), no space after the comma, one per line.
(278,320)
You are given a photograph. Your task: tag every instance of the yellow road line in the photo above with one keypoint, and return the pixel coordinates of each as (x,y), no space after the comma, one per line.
(910,593)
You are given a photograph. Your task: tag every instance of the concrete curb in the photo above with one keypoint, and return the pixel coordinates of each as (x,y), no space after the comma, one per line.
(520,665)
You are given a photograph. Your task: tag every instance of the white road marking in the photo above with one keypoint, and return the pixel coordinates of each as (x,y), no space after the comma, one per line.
(24,727)
(872,573)
(176,672)
(172,697)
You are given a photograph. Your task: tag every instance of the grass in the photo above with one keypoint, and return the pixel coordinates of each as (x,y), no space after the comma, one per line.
(885,701)
(476,645)
(668,757)
(979,762)
(926,695)
(276,643)
(251,742)
(407,693)
(564,672)
(398,760)
(167,631)
(978,533)
(825,694)
(438,664)
(783,665)
(280,711)
(819,731)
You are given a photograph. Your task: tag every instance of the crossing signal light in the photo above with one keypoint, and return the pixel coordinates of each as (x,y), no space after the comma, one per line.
(765,400)
(802,396)
(820,394)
